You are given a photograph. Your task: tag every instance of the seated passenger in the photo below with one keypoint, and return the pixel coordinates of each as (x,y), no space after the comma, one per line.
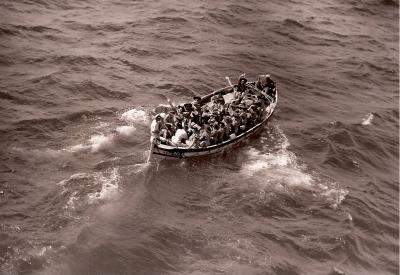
(179,138)
(195,115)
(205,135)
(186,120)
(193,126)
(179,110)
(227,124)
(216,134)
(194,139)
(235,124)
(166,133)
(220,99)
(243,121)
(206,114)
(170,117)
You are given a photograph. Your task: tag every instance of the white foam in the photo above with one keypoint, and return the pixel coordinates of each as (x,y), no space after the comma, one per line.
(134,116)
(335,196)
(71,201)
(126,131)
(280,170)
(367,119)
(109,186)
(101,142)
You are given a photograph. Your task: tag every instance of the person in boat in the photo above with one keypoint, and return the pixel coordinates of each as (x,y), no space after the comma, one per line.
(197,100)
(171,118)
(205,135)
(219,99)
(235,123)
(195,115)
(166,133)
(194,138)
(270,84)
(186,120)
(241,86)
(216,134)
(206,114)
(243,118)
(261,82)
(227,125)
(180,137)
(155,128)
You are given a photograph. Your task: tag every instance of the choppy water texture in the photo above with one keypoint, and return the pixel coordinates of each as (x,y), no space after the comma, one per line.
(316,192)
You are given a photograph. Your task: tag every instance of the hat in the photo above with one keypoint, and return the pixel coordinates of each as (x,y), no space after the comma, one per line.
(160,115)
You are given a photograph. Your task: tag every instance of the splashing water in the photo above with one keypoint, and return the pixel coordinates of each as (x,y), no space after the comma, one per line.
(367,119)
(134,116)
(126,131)
(279,169)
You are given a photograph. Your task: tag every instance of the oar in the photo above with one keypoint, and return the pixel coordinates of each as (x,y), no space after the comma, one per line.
(152,140)
(229,81)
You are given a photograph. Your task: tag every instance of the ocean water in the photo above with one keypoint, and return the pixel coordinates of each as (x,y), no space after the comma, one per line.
(316,192)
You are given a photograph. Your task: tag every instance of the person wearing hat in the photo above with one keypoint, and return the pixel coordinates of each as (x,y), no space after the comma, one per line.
(241,86)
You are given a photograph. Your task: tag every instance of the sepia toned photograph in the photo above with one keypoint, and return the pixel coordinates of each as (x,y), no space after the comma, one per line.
(254,137)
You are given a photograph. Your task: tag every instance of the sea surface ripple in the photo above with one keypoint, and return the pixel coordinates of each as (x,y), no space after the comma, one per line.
(316,192)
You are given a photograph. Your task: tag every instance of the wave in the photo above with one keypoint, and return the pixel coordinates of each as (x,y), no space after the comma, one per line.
(167,19)
(93,90)
(108,27)
(136,67)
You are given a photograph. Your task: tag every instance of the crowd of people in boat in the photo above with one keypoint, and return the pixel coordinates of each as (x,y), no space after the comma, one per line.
(199,124)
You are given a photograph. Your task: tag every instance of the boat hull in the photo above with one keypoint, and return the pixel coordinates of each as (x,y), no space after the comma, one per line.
(182,152)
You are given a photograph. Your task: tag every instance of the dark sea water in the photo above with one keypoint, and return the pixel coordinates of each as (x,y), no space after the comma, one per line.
(316,192)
